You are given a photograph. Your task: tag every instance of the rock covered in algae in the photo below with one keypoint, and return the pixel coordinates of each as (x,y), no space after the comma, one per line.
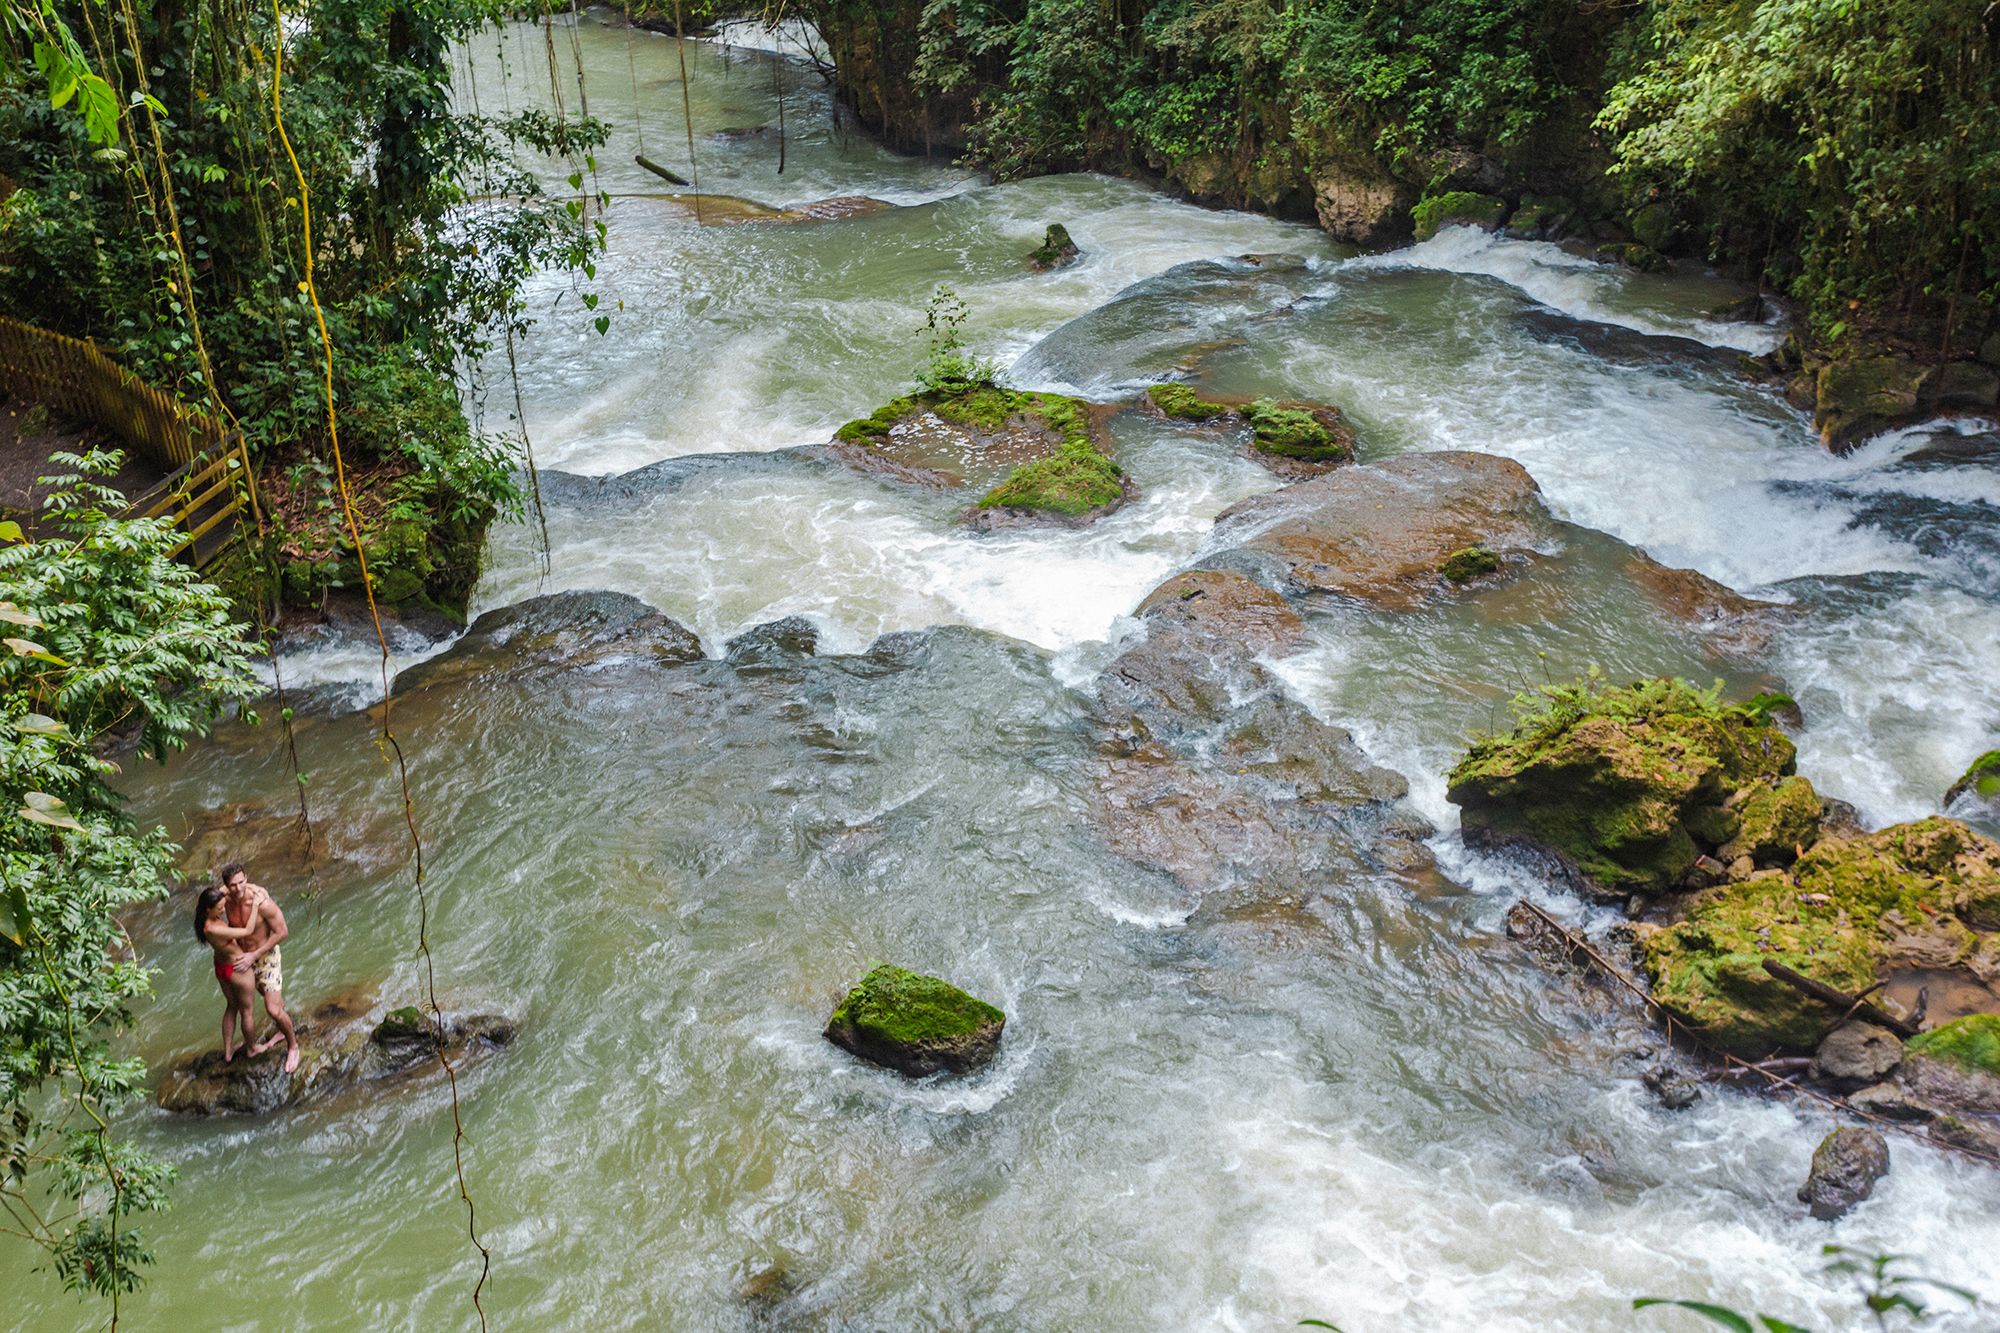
(1056,249)
(1074,485)
(1850,912)
(1625,788)
(1957,1065)
(1980,784)
(1468,563)
(1845,1167)
(916,1025)
(1292,439)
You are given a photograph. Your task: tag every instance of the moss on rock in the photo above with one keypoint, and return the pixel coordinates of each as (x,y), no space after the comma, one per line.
(1468,563)
(1972,1043)
(1858,397)
(1842,916)
(1457,207)
(1981,779)
(1074,480)
(915,1024)
(1774,823)
(1182,403)
(1615,781)
(1055,250)
(1293,431)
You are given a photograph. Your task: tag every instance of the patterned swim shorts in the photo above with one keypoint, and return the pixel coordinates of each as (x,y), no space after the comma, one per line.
(270,972)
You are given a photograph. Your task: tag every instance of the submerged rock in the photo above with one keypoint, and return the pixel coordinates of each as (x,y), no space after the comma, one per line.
(565,629)
(1624,789)
(1675,1090)
(1215,604)
(1845,1167)
(1380,532)
(774,643)
(1056,249)
(916,1025)
(1850,912)
(1468,563)
(337,1049)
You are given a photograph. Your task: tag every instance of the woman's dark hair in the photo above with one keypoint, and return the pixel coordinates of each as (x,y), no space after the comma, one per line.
(202,907)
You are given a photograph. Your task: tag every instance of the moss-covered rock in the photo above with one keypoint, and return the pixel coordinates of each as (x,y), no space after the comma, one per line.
(916,1025)
(1055,250)
(1652,225)
(1468,563)
(1073,481)
(1182,403)
(1299,430)
(1865,395)
(1540,219)
(1981,781)
(1850,912)
(1972,1043)
(1775,822)
(1634,255)
(1617,783)
(1465,208)
(961,434)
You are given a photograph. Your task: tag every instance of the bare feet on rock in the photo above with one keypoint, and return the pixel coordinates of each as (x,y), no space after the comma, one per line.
(291,1057)
(264,1045)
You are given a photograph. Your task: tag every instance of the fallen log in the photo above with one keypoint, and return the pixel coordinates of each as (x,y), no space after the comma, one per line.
(672,178)
(1847,1004)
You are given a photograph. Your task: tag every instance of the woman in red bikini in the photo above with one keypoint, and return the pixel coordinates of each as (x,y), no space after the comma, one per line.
(211,926)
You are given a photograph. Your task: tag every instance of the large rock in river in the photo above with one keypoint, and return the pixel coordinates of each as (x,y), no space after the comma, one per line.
(338,1048)
(1851,912)
(1845,1167)
(1625,789)
(1382,532)
(916,1025)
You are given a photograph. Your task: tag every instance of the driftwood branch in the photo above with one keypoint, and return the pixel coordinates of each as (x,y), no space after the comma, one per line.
(672,178)
(1848,1004)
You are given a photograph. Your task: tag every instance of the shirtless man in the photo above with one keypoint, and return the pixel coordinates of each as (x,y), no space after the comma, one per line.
(251,902)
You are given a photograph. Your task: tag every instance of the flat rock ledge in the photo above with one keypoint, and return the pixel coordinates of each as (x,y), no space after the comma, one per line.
(916,1025)
(339,1049)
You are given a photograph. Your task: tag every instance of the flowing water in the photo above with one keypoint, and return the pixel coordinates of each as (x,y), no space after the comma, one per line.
(1355,1100)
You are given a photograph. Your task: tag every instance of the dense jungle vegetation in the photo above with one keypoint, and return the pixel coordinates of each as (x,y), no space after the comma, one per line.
(1848,153)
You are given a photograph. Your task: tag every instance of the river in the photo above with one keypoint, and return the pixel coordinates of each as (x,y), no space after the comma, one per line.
(1229,1110)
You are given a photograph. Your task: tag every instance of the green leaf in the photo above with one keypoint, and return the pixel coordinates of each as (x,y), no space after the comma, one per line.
(16,920)
(603,323)
(1318,1323)
(1729,1319)
(14,615)
(590,300)
(10,531)
(29,648)
(35,724)
(42,808)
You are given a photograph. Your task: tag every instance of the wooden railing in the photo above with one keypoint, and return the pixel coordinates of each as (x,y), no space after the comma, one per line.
(208,470)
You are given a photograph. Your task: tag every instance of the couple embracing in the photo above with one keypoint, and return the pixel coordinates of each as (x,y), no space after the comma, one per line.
(241,923)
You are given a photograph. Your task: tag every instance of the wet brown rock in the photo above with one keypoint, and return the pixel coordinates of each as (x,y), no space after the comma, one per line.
(1738,624)
(1845,1167)
(560,630)
(1218,604)
(1357,205)
(1381,532)
(722,210)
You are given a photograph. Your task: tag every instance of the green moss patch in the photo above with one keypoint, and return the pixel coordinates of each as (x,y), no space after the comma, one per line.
(1075,479)
(916,1024)
(1617,781)
(1182,403)
(1290,431)
(1837,917)
(1981,779)
(1972,1042)
(981,405)
(1056,248)
(1774,822)
(1468,563)
(1466,207)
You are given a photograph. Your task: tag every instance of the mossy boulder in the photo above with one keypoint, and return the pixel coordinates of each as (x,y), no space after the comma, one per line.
(1075,482)
(1625,787)
(1652,225)
(964,433)
(1849,913)
(1633,255)
(1182,403)
(1305,431)
(1540,219)
(1957,1066)
(1468,563)
(1055,250)
(1775,821)
(1465,208)
(916,1025)
(1980,783)
(1864,395)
